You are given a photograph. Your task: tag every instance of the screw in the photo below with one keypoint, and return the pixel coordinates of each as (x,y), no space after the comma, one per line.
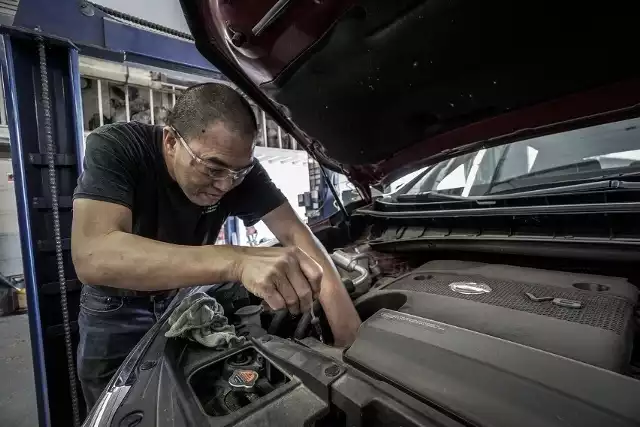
(332,371)
(238,39)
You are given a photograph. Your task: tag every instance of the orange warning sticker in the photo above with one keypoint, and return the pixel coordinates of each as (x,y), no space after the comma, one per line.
(243,378)
(248,376)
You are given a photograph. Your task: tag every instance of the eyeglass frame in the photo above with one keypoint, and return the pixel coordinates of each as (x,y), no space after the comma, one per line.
(233,174)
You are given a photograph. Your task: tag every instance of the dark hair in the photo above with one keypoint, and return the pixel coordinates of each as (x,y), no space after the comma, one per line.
(201,105)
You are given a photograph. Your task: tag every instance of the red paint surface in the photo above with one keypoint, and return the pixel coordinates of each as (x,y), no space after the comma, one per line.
(304,22)
(264,56)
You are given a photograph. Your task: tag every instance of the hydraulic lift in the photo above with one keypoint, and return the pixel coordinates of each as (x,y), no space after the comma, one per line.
(41,80)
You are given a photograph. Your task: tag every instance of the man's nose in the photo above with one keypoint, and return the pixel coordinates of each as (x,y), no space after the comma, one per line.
(223,185)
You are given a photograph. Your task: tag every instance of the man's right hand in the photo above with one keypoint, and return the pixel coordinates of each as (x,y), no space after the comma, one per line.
(283,277)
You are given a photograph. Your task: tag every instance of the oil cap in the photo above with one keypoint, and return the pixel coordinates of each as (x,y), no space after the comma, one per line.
(243,379)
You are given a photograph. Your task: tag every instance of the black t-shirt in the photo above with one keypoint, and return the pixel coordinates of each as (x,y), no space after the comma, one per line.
(124,164)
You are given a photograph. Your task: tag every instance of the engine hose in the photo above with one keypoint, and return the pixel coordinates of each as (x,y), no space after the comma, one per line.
(277,321)
(305,322)
(350,263)
(303,326)
(53,188)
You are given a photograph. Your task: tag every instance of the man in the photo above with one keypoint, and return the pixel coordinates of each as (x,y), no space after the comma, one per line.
(148,205)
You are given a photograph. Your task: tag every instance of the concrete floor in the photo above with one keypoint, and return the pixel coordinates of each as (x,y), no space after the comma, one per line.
(17,389)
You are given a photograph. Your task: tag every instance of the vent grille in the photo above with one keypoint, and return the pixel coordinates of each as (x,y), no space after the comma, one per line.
(9,7)
(600,311)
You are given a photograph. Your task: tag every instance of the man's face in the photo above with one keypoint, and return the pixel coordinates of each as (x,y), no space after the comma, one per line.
(218,161)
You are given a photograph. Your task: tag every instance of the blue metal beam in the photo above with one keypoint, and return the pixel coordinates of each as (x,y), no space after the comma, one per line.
(21,69)
(124,38)
(100,34)
(26,236)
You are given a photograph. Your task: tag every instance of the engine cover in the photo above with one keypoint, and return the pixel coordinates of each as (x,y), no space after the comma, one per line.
(583,317)
(489,381)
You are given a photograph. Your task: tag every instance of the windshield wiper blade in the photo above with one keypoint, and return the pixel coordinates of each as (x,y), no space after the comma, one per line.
(430,196)
(608,184)
(561,169)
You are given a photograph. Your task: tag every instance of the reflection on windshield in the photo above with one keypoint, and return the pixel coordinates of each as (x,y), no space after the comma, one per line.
(598,151)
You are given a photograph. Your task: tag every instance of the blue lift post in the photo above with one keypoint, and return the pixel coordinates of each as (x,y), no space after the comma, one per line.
(21,71)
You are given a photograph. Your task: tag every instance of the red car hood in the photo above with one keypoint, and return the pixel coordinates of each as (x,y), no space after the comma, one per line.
(375,88)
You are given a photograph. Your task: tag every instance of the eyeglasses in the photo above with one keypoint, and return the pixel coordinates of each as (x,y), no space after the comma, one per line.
(211,169)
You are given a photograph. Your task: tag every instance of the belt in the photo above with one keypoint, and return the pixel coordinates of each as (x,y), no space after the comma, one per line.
(119,292)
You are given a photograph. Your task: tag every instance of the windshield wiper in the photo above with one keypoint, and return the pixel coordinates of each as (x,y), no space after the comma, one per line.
(430,196)
(571,168)
(609,184)
(581,173)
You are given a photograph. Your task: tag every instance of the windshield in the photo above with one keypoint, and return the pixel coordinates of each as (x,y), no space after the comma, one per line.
(600,151)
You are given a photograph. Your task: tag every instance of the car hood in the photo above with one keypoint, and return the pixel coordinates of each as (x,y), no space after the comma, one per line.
(376,88)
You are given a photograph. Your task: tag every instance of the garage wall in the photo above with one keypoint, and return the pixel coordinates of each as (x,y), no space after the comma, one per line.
(290,174)
(10,254)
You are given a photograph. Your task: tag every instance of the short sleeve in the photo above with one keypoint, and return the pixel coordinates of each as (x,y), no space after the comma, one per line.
(255,197)
(109,172)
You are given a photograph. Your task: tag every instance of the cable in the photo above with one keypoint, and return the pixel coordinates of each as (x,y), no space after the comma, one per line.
(53,188)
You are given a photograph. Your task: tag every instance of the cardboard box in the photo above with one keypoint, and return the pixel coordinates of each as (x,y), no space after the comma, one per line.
(22,299)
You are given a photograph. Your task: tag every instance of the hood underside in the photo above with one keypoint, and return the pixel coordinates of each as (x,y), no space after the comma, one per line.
(378,87)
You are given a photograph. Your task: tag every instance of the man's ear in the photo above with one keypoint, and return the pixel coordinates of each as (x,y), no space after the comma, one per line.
(169,140)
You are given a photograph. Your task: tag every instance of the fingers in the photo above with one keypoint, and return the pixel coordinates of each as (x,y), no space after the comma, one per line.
(288,294)
(290,278)
(274,299)
(312,271)
(301,286)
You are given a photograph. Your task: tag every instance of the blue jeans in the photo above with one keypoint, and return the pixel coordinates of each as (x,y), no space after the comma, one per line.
(110,325)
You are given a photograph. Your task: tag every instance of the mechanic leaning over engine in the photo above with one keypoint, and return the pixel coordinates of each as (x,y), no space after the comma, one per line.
(148,206)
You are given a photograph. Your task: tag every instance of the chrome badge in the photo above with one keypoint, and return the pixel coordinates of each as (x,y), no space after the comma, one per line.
(470,288)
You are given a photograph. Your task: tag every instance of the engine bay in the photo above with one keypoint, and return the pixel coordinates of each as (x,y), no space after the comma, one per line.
(443,342)
(585,317)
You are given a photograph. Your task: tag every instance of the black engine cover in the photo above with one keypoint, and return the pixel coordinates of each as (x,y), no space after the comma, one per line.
(489,381)
(599,332)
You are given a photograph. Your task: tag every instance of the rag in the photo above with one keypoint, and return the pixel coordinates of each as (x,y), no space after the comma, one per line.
(200,318)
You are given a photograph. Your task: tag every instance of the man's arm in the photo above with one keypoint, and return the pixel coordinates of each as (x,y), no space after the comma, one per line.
(337,305)
(105,252)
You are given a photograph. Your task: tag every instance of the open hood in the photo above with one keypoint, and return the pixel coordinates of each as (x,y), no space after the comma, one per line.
(375,88)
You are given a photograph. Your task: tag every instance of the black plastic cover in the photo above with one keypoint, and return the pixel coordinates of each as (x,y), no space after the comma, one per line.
(599,333)
(490,381)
